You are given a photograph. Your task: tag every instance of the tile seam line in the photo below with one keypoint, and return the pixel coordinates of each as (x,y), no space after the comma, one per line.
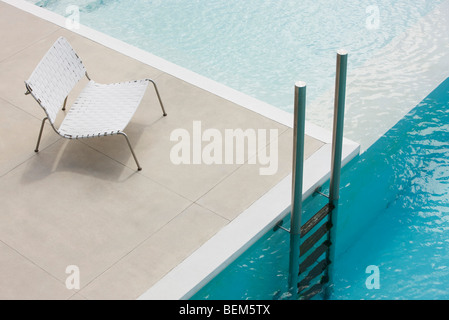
(36,154)
(139,245)
(136,172)
(106,269)
(77,293)
(234,171)
(32,262)
(133,169)
(93,149)
(238,168)
(248,205)
(22,110)
(29,44)
(216,213)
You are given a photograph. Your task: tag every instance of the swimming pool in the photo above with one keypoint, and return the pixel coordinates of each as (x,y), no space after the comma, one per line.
(262,48)
(394,214)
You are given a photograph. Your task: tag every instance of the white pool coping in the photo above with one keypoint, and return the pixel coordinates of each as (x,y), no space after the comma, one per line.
(217,253)
(234,239)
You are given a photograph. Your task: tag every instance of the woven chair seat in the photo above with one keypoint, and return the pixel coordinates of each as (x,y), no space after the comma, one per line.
(103,109)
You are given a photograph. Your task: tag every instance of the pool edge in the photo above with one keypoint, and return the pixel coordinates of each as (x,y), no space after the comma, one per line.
(187,278)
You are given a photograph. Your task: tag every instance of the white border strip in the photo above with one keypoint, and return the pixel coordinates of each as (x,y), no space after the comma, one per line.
(221,250)
(216,254)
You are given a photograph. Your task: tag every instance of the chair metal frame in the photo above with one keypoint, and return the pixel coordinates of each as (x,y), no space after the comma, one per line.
(55,77)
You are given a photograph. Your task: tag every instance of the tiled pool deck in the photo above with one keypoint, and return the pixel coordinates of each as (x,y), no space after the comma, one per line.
(83,203)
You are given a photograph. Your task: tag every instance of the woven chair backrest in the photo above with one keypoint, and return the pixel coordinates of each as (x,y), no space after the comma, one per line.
(55,76)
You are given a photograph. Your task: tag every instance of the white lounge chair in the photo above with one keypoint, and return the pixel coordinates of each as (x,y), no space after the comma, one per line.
(100,109)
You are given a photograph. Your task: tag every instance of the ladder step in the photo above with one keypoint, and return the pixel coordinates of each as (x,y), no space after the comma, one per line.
(309,225)
(314,256)
(315,272)
(314,238)
(309,294)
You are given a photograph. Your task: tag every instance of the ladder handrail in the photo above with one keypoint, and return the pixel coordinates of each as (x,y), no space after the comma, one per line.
(297,183)
(330,210)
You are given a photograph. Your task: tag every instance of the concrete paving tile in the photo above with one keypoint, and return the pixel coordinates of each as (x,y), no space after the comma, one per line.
(149,262)
(77,297)
(244,186)
(19,132)
(25,35)
(70,205)
(20,279)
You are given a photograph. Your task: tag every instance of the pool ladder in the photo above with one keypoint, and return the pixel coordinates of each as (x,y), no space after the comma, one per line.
(305,289)
(310,248)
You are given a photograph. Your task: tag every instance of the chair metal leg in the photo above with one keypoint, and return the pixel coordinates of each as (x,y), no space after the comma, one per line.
(65,102)
(159,97)
(40,135)
(139,168)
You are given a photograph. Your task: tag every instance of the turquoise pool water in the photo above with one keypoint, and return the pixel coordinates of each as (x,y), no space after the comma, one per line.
(394,214)
(260,48)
